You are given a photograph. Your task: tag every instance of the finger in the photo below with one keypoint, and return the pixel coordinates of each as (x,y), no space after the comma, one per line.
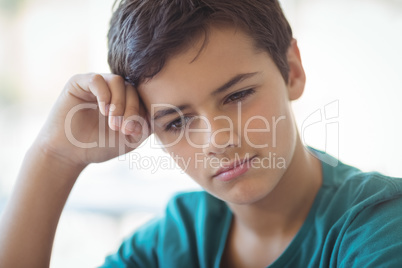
(147,130)
(91,87)
(132,124)
(118,101)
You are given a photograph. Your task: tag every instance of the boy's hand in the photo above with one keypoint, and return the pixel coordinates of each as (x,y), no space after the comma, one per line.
(96,118)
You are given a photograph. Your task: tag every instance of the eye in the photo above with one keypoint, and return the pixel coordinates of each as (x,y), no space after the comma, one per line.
(178,124)
(239,96)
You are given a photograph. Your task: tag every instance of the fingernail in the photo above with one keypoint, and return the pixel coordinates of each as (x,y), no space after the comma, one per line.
(133,127)
(138,128)
(130,126)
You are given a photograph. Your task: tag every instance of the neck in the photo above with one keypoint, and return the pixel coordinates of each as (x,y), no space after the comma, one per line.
(283,211)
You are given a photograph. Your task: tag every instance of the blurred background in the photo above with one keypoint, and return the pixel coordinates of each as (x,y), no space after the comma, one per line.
(351,51)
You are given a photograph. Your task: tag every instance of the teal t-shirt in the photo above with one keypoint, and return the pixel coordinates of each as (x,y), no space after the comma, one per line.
(355,221)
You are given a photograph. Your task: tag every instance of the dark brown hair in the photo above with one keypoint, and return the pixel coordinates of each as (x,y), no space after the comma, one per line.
(143,34)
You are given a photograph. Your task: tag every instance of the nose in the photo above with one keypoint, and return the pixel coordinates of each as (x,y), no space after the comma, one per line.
(221,137)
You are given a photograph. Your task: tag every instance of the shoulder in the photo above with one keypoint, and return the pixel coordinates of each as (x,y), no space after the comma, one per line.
(371,187)
(365,214)
(347,188)
(373,236)
(194,215)
(347,192)
(189,225)
(182,214)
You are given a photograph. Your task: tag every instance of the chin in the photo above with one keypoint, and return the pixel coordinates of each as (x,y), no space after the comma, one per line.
(248,193)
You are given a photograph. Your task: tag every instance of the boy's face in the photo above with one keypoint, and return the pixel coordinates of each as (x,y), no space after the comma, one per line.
(249,121)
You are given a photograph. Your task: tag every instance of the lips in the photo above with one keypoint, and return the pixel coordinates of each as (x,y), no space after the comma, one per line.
(232,166)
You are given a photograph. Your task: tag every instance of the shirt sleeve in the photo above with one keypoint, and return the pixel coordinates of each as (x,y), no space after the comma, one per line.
(374,237)
(138,250)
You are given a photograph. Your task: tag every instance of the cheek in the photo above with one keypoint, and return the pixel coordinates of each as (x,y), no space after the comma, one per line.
(268,125)
(258,125)
(183,154)
(167,138)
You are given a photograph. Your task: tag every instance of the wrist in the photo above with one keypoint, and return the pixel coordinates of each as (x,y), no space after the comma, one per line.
(50,160)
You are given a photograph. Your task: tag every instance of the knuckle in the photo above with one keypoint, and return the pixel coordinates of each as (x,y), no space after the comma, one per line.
(104,95)
(130,110)
(74,78)
(95,78)
(117,79)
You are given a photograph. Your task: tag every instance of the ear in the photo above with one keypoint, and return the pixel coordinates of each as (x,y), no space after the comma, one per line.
(297,77)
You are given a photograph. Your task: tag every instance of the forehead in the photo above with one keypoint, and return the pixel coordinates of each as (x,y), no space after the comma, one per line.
(197,70)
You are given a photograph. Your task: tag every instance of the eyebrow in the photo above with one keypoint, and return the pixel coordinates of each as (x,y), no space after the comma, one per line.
(232,82)
(161,113)
(235,80)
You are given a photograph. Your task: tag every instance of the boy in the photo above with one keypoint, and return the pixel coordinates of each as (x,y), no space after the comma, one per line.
(213,80)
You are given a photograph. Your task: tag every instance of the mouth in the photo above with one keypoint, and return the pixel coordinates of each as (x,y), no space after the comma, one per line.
(233,170)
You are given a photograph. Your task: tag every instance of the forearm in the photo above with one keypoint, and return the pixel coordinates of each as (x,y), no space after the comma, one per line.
(29,223)
(46,178)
